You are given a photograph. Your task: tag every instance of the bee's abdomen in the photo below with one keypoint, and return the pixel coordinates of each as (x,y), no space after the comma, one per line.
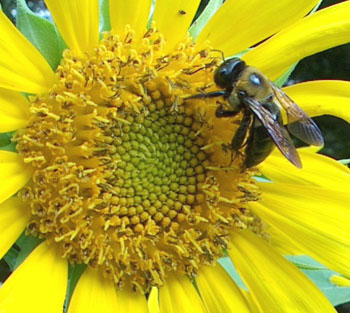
(259,146)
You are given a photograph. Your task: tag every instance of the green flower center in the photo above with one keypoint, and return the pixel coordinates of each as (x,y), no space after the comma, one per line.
(128,176)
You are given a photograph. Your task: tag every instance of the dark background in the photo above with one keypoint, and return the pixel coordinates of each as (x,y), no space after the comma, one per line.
(330,64)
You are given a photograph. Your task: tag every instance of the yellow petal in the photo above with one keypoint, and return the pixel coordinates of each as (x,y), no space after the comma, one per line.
(22,67)
(93,293)
(250,301)
(219,292)
(315,219)
(14,174)
(134,12)
(275,284)
(317,171)
(37,285)
(14,110)
(153,302)
(129,301)
(173,18)
(322,97)
(240,24)
(78,23)
(178,295)
(14,217)
(325,29)
(281,243)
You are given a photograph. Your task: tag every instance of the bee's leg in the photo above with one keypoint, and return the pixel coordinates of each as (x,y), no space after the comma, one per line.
(241,133)
(213,94)
(239,139)
(221,112)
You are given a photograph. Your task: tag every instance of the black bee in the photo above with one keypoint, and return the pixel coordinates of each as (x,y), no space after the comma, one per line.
(248,90)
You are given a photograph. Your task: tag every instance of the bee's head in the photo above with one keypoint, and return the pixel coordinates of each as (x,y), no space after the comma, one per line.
(228,72)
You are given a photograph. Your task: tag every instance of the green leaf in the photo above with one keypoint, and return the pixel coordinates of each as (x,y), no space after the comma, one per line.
(74,273)
(6,143)
(318,273)
(150,19)
(316,7)
(10,147)
(11,257)
(41,33)
(262,179)
(321,275)
(5,139)
(231,270)
(20,250)
(105,24)
(26,244)
(204,18)
(304,262)
(345,161)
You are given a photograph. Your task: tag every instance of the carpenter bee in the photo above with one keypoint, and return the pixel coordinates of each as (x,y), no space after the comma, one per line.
(249,91)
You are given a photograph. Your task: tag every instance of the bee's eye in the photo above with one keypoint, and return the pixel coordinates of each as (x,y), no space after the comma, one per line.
(228,72)
(255,79)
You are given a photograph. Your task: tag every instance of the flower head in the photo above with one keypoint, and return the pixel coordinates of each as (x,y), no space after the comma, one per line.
(116,168)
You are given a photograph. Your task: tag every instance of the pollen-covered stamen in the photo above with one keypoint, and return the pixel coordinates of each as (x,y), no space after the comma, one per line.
(128,176)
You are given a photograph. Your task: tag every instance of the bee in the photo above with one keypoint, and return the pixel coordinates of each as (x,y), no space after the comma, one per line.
(249,91)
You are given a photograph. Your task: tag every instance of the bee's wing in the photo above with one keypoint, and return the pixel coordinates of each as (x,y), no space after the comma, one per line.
(299,123)
(277,132)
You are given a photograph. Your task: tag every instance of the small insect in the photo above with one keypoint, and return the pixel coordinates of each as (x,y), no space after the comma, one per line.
(248,90)
(182,12)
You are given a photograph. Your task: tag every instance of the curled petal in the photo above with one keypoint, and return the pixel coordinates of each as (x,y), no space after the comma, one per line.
(325,29)
(320,97)
(235,27)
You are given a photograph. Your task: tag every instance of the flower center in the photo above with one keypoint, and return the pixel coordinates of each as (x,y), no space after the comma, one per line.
(128,176)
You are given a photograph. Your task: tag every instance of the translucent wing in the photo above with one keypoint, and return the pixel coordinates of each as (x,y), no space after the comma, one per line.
(299,123)
(277,132)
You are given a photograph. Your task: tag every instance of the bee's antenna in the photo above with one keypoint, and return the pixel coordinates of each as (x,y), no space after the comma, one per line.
(222,54)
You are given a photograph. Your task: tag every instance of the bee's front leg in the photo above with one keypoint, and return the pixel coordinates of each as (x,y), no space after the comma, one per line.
(221,112)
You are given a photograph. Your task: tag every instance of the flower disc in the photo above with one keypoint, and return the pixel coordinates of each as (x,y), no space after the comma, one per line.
(129,176)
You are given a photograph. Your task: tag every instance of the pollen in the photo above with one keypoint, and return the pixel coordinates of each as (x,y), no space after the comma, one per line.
(129,176)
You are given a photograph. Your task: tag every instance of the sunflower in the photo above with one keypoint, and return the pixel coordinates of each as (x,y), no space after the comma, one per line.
(115,170)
